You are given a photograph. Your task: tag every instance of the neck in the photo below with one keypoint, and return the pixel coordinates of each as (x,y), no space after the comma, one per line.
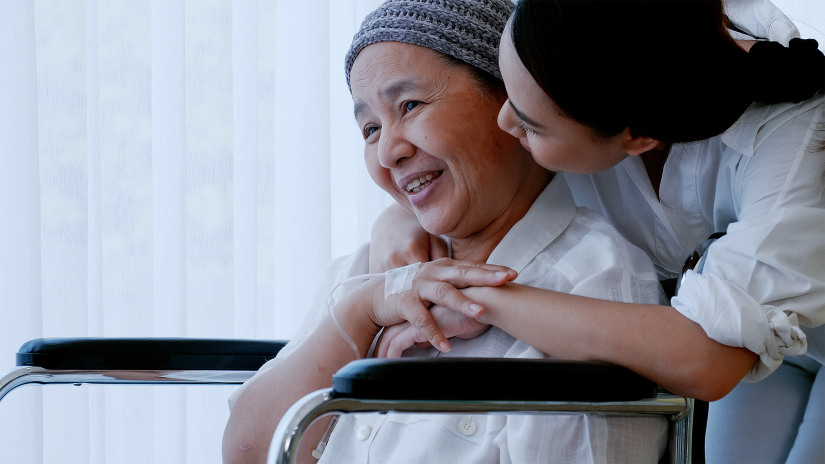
(654,161)
(480,245)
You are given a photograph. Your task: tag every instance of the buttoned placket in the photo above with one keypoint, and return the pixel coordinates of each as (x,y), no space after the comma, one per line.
(663,227)
(366,429)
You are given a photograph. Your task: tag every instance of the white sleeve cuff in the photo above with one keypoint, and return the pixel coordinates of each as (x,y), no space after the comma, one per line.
(732,317)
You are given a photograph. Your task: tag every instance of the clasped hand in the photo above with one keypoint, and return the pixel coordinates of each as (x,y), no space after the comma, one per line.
(435,308)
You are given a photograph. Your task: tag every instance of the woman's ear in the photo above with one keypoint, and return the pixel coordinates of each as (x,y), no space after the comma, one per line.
(635,143)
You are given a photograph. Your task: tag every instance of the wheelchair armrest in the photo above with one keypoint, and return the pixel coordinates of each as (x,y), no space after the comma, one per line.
(153,354)
(489,379)
(480,386)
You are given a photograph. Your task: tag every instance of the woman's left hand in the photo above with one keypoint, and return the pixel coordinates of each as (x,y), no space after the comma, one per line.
(397,338)
(435,283)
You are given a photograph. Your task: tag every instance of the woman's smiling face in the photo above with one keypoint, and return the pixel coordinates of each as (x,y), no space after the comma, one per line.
(432,140)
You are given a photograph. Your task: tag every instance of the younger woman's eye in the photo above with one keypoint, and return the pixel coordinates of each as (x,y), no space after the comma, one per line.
(526,129)
(410,105)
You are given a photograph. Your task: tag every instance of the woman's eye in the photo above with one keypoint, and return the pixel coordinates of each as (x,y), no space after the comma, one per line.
(369,131)
(410,105)
(526,129)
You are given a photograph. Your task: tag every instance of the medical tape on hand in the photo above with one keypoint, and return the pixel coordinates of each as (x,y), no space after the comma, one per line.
(399,280)
(331,304)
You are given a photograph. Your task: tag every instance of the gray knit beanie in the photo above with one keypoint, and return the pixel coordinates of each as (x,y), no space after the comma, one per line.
(468,30)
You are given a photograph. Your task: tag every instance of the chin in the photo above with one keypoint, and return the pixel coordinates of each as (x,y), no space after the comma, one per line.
(433,225)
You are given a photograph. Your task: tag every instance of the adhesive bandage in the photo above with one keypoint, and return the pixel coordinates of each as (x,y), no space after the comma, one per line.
(399,280)
(395,281)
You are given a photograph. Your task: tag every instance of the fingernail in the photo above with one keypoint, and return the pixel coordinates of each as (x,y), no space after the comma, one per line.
(501,274)
(476,308)
(444,347)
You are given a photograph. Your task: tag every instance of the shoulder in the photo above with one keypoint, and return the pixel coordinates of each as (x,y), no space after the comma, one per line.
(591,258)
(346,266)
(595,235)
(761,18)
(592,230)
(790,124)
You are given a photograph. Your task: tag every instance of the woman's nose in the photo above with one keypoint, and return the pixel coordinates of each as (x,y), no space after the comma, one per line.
(393,147)
(508,122)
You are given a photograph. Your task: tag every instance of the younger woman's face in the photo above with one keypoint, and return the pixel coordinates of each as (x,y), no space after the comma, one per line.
(556,141)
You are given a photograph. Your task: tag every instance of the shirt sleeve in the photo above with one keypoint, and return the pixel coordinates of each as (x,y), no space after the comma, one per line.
(337,271)
(766,277)
(761,19)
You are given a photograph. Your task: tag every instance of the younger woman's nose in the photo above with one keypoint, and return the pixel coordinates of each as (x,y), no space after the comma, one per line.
(508,121)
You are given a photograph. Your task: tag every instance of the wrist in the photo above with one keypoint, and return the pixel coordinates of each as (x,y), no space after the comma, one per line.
(355,313)
(484,297)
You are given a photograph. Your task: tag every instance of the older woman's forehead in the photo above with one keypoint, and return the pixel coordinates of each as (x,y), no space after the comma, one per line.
(389,69)
(395,57)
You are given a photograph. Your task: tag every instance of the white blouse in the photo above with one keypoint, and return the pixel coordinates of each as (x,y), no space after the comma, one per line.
(555,246)
(762,182)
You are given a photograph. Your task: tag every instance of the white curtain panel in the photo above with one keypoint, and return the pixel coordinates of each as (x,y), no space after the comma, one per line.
(167,168)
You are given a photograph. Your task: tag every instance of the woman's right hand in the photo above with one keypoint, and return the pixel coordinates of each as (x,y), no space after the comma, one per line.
(435,283)
(394,340)
(398,240)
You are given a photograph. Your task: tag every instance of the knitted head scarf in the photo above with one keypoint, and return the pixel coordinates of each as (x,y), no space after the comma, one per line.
(469,30)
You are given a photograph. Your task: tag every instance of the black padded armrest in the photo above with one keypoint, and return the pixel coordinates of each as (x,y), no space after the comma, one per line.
(148,353)
(485,379)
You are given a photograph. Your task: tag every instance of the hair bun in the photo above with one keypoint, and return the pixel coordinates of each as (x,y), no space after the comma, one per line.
(781,74)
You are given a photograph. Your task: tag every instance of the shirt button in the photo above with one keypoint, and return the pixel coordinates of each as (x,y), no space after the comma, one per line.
(364,432)
(466,427)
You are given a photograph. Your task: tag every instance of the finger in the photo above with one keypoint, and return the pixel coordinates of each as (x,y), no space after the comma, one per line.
(475,264)
(422,320)
(400,343)
(438,248)
(444,294)
(387,336)
(423,344)
(470,274)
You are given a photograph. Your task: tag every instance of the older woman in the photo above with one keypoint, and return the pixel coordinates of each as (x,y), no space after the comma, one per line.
(426,93)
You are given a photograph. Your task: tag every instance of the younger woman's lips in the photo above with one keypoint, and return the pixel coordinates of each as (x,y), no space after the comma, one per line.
(524,144)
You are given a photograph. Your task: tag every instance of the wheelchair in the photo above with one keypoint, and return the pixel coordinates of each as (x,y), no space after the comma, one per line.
(371,385)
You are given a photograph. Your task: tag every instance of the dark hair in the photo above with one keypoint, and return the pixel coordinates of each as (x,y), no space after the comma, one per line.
(666,69)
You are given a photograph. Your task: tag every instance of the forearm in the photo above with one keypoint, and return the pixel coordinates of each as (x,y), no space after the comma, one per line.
(264,402)
(657,342)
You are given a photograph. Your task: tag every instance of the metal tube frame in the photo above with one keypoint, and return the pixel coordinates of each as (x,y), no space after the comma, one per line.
(37,375)
(287,437)
(284,446)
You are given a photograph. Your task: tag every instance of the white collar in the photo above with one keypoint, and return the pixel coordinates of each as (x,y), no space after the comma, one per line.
(741,136)
(547,218)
